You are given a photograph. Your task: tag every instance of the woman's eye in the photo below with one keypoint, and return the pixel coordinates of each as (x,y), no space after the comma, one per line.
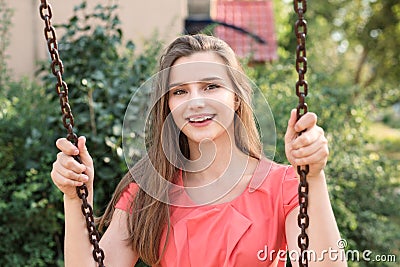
(178,92)
(212,86)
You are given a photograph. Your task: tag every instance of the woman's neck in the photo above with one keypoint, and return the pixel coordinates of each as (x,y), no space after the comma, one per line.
(214,159)
(220,172)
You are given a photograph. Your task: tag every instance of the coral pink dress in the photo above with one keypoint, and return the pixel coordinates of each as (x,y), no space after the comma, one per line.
(247,231)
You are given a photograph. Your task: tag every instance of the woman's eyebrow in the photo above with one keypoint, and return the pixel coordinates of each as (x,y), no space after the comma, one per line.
(206,79)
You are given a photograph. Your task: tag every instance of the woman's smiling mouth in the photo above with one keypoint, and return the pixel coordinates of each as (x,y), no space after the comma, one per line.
(201,119)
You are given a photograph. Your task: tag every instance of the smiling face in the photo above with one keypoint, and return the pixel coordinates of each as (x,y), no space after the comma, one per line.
(201,98)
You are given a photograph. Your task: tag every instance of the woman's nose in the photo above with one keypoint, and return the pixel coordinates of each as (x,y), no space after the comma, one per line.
(196,99)
(196,102)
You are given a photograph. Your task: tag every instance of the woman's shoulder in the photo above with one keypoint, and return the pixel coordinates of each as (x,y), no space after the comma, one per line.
(271,174)
(277,183)
(127,196)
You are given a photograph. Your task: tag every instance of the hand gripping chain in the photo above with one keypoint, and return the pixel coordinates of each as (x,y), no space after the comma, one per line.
(300,28)
(57,69)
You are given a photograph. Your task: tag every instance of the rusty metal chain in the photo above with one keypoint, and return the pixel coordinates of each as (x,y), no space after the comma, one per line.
(300,28)
(61,87)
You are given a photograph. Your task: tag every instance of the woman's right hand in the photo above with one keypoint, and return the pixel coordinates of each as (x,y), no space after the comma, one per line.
(67,173)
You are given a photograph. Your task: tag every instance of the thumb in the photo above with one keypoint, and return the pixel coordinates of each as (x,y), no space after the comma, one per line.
(291,132)
(83,152)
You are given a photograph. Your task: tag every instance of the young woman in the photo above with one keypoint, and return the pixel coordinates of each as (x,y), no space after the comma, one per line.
(193,200)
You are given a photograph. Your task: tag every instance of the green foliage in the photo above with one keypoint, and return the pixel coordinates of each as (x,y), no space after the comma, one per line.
(363,43)
(30,210)
(391,116)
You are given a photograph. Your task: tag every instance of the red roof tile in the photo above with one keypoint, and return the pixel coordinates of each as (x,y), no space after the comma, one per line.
(255,16)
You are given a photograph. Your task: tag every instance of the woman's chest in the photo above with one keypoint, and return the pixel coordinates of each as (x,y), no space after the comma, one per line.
(223,237)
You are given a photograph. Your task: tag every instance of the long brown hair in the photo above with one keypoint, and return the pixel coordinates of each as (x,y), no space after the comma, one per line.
(150,215)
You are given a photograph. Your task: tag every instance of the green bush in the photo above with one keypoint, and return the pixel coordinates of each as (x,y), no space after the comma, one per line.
(30,224)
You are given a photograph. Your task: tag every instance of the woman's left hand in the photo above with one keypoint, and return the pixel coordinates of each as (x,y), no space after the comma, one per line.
(310,148)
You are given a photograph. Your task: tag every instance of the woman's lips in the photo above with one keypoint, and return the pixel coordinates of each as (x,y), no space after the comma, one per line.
(201,119)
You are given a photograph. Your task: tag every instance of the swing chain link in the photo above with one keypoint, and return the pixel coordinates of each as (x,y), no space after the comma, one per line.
(61,87)
(300,28)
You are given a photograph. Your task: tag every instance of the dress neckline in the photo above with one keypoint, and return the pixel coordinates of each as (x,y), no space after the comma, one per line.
(258,176)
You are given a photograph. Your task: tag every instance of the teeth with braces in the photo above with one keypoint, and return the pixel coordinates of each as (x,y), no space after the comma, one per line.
(200,119)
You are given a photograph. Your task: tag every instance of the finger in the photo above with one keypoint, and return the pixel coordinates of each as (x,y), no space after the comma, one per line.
(291,133)
(307,121)
(67,173)
(310,149)
(83,152)
(62,182)
(319,157)
(68,162)
(307,138)
(67,147)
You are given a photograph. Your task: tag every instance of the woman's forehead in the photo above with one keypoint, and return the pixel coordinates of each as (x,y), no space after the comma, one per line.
(205,66)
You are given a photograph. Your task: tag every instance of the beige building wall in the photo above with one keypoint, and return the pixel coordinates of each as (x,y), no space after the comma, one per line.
(140,20)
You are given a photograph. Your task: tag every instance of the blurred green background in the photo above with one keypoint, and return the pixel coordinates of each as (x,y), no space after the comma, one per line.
(354,82)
